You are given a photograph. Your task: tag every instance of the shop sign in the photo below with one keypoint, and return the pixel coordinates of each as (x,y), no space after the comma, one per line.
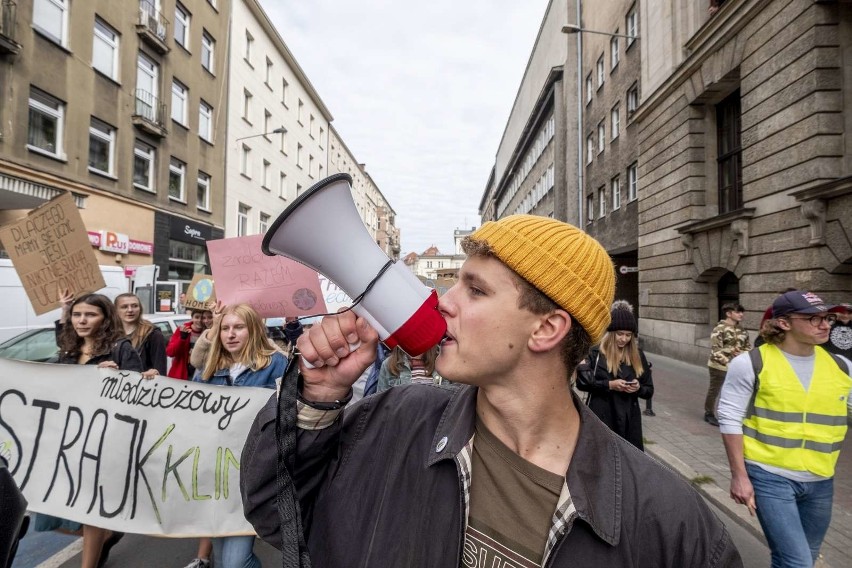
(133,246)
(114,242)
(189,232)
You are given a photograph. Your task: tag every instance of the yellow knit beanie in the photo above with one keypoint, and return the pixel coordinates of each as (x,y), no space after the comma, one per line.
(566,264)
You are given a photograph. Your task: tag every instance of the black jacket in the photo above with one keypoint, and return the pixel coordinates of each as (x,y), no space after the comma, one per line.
(380,487)
(618,410)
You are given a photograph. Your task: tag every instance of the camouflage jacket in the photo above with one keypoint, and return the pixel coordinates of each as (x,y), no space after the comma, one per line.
(726,342)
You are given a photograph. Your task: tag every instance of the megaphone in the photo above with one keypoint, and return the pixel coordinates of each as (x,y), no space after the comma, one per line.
(322,230)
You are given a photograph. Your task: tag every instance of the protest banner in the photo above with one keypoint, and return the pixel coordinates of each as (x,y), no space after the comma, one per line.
(50,251)
(117,451)
(275,286)
(201,294)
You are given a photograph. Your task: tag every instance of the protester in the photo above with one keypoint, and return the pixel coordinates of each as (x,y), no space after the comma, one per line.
(95,336)
(510,460)
(726,342)
(242,356)
(767,315)
(400,369)
(783,419)
(145,337)
(181,344)
(840,337)
(617,375)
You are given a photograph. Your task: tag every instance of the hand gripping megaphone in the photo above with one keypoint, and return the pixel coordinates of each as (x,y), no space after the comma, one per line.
(322,230)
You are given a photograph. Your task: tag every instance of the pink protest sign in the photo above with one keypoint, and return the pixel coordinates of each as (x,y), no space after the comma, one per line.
(275,286)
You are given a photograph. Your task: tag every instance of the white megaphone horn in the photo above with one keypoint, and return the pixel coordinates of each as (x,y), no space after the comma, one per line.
(322,230)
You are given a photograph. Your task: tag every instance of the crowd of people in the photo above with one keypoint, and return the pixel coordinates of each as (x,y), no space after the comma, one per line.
(480,448)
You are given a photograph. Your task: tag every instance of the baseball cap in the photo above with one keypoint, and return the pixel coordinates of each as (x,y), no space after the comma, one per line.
(798,302)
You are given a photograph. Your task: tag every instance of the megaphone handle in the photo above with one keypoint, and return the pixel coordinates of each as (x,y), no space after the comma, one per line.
(352,347)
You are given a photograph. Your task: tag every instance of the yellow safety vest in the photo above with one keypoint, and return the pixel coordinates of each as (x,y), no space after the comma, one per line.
(790,428)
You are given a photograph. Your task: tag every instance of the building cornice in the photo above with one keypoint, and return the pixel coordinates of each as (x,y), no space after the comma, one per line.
(730,20)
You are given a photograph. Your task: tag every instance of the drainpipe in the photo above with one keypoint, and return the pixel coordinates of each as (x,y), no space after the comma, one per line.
(580,167)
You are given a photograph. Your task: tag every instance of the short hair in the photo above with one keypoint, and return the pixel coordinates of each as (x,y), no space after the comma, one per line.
(576,343)
(732,307)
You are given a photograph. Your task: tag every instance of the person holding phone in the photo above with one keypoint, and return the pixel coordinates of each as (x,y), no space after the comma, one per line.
(616,375)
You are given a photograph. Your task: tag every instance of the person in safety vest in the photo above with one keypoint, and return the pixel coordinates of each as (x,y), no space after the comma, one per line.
(782,415)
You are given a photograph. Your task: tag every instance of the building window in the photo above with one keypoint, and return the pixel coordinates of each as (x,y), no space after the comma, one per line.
(319,174)
(632,99)
(177,179)
(728,136)
(590,148)
(181,26)
(589,88)
(613,53)
(321,137)
(245,161)
(101,147)
(590,209)
(105,50)
(614,121)
(265,183)
(285,91)
(267,118)
(208,47)
(299,155)
(263,223)
(147,88)
(311,126)
(600,68)
(51,18)
(242,220)
(632,24)
(615,188)
(298,189)
(202,195)
(249,47)
(632,180)
(268,73)
(310,166)
(47,117)
(247,97)
(283,142)
(602,202)
(205,121)
(179,97)
(301,109)
(601,136)
(282,185)
(143,166)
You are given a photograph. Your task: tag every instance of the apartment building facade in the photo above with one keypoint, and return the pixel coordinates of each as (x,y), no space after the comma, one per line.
(745,162)
(278,126)
(121,104)
(610,72)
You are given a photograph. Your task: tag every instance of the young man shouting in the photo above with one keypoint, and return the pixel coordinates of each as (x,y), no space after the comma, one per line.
(509,469)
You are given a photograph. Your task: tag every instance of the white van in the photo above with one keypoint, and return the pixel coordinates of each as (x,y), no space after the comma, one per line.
(17,312)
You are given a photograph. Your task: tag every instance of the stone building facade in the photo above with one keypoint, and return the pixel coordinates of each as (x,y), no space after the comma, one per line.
(610,73)
(745,162)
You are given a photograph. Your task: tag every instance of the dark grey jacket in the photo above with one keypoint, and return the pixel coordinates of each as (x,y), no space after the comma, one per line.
(379,489)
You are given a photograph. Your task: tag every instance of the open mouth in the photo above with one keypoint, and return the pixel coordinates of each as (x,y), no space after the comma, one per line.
(447,339)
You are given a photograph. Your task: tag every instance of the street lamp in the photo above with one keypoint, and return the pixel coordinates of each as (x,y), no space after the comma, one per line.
(279,130)
(575,29)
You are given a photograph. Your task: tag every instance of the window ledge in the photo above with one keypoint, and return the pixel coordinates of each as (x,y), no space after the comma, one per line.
(102,173)
(206,141)
(179,123)
(204,209)
(103,75)
(58,157)
(715,222)
(177,200)
(50,38)
(247,121)
(145,189)
(245,175)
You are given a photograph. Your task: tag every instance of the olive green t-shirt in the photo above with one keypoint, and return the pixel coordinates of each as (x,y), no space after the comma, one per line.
(512,503)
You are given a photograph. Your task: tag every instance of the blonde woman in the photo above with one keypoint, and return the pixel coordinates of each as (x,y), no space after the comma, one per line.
(240,355)
(616,375)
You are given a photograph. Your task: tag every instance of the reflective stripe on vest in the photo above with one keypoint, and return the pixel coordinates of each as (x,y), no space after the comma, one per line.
(793,429)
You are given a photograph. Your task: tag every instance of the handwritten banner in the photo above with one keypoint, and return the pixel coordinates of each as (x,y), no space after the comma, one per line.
(110,449)
(201,294)
(275,286)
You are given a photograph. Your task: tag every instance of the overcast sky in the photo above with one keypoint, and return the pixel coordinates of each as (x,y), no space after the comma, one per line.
(420,92)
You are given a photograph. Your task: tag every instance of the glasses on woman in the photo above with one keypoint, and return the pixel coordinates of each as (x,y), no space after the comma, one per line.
(816,321)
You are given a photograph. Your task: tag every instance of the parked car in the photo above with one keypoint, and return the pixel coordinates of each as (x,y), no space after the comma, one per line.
(40,344)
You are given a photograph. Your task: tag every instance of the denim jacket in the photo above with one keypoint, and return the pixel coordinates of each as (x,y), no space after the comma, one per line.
(265,377)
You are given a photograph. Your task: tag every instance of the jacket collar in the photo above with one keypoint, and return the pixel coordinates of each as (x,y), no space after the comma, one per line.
(594,475)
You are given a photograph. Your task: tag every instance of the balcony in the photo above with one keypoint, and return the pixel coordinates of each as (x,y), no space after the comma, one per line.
(8,17)
(149,114)
(152,27)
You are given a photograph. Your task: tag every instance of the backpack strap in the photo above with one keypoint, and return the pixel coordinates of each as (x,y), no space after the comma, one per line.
(840,362)
(757,366)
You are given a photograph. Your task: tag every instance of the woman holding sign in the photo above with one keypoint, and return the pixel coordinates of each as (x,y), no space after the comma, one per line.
(240,356)
(95,336)
(145,337)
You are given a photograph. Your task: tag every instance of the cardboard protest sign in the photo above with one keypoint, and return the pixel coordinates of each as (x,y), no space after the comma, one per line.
(117,451)
(201,294)
(50,251)
(275,286)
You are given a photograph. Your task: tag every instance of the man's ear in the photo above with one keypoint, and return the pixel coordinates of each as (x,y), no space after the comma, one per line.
(783,324)
(550,331)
